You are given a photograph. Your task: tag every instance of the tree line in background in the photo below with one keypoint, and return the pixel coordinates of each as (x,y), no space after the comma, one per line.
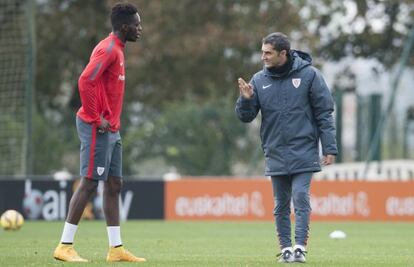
(181,77)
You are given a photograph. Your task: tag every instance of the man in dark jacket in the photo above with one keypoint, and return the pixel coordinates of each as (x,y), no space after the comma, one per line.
(296,107)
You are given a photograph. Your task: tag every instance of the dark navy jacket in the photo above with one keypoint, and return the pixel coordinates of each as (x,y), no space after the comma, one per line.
(296,113)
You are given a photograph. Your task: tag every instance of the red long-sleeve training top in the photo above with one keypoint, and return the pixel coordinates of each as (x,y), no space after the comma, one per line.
(102,84)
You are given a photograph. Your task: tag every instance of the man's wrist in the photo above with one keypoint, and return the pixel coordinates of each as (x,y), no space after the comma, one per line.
(247,97)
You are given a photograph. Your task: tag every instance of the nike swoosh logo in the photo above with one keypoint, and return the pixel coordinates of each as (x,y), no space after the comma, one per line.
(266,86)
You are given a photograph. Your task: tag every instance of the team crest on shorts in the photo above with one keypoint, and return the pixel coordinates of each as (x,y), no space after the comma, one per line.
(100,170)
(296,82)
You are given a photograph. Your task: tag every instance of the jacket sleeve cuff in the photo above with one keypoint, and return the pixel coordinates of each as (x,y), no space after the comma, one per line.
(247,101)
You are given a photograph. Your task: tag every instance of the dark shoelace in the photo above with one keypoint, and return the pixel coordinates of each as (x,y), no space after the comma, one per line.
(298,250)
(285,255)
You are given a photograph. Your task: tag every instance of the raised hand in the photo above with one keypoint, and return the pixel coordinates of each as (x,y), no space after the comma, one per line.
(246,89)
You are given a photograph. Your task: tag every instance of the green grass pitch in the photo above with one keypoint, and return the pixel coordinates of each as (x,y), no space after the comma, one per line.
(203,244)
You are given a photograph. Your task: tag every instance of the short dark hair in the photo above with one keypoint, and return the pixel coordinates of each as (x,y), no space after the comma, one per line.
(278,40)
(121,14)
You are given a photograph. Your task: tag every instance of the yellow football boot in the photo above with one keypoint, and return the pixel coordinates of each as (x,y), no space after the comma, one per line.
(67,253)
(121,254)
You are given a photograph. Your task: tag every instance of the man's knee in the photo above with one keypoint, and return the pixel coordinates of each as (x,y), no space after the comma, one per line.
(282,207)
(87,185)
(113,185)
(301,199)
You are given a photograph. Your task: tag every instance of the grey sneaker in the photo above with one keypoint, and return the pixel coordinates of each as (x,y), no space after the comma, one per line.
(286,256)
(299,255)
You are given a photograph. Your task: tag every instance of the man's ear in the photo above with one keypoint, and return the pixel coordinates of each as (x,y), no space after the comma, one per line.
(124,28)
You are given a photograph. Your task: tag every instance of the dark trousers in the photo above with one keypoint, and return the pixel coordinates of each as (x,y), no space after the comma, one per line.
(286,188)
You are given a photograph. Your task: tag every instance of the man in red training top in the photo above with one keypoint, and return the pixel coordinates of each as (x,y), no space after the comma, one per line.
(101,87)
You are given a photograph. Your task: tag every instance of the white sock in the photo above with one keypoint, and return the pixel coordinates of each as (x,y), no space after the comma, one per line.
(114,235)
(299,246)
(69,231)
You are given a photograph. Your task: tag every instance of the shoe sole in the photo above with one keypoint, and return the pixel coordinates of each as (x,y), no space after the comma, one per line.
(69,261)
(299,261)
(283,261)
